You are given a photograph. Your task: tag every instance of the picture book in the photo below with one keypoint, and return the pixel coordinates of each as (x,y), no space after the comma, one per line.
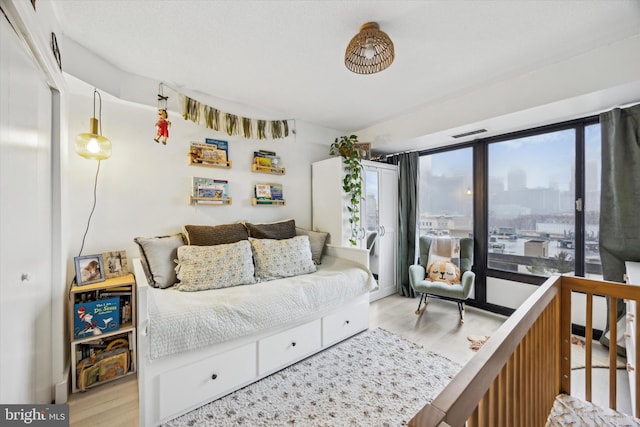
(263,191)
(276,192)
(210,188)
(222,147)
(207,153)
(96,317)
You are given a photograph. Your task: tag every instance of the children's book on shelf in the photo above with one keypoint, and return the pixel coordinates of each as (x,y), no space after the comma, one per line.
(208,153)
(210,188)
(96,317)
(266,158)
(222,147)
(276,192)
(263,191)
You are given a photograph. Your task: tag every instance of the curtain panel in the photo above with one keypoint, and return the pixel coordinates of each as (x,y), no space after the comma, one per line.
(408,218)
(619,195)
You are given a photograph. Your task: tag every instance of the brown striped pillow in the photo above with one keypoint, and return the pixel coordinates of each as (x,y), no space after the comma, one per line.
(274,230)
(210,235)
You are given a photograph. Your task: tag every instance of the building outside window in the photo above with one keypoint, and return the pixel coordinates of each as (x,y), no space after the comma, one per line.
(446,202)
(531,214)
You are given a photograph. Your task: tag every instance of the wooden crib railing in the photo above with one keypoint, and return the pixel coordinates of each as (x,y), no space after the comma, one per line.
(514,379)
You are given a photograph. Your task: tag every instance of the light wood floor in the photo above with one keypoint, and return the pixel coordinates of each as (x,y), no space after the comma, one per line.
(437,329)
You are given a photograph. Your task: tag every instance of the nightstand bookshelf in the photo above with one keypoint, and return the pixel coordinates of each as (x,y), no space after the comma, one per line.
(105,351)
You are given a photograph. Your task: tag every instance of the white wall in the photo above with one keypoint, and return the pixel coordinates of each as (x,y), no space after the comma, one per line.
(143,189)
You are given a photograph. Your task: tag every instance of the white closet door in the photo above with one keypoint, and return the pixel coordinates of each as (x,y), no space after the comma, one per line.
(388,225)
(25,225)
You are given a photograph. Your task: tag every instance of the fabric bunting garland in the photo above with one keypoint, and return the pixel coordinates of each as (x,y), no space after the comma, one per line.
(232,124)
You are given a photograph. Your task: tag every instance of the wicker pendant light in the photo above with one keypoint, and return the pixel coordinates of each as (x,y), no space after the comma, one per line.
(370,51)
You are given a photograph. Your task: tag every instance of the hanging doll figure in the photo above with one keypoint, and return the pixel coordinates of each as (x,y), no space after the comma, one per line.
(162,126)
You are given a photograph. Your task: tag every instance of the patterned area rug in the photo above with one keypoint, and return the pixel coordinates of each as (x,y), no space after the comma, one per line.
(375,378)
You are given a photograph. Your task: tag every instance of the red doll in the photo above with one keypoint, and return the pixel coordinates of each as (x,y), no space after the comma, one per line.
(163,126)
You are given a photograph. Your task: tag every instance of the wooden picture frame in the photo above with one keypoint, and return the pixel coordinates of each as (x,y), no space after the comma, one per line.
(115,264)
(365,150)
(89,269)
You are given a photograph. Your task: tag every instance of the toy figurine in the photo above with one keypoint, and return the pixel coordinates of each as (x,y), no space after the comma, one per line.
(163,126)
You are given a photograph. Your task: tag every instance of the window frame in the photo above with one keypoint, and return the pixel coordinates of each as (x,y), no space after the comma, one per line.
(480,148)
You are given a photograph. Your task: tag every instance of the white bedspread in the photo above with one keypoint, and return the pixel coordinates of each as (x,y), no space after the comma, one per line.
(183,321)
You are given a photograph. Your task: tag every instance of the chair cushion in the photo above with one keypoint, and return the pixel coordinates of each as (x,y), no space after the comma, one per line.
(440,288)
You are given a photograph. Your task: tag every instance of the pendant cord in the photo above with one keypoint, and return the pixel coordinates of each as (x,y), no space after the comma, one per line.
(93,208)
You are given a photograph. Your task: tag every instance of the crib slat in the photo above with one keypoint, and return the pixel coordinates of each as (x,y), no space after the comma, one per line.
(613,348)
(588,347)
(635,362)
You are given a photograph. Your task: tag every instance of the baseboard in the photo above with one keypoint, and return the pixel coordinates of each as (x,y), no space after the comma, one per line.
(62,389)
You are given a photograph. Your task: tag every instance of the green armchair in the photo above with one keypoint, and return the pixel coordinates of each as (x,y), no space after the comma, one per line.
(458,292)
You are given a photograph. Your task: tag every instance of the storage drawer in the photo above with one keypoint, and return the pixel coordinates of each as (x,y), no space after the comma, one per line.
(282,349)
(344,323)
(203,381)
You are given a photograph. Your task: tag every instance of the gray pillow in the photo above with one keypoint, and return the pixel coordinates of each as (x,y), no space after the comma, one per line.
(209,235)
(158,256)
(317,240)
(272,230)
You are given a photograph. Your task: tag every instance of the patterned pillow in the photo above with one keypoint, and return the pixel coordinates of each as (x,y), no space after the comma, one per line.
(273,230)
(157,255)
(316,241)
(214,267)
(275,259)
(209,235)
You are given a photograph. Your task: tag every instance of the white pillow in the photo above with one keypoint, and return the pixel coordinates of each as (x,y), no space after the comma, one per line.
(275,259)
(214,267)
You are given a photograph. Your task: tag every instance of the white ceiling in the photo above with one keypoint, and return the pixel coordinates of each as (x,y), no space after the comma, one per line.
(286,57)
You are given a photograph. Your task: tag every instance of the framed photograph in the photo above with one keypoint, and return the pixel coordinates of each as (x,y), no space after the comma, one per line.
(365,150)
(89,269)
(115,264)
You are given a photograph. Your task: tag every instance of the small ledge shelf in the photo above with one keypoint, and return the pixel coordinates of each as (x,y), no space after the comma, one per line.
(209,200)
(267,202)
(201,162)
(268,169)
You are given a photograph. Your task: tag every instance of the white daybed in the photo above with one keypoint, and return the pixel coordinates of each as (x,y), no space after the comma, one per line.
(260,329)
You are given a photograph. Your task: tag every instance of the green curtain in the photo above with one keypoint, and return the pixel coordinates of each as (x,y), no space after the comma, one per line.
(408,218)
(619,196)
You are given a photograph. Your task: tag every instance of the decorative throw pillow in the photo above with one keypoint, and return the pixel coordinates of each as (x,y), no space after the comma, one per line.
(316,241)
(214,267)
(209,235)
(273,230)
(443,271)
(275,259)
(157,255)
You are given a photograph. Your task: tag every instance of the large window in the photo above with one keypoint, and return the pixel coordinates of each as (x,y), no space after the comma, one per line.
(446,202)
(530,199)
(531,204)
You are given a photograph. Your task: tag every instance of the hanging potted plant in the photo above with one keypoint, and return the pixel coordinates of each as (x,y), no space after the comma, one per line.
(347,147)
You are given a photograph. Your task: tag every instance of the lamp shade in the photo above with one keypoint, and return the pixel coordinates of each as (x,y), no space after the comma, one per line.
(92,145)
(370,51)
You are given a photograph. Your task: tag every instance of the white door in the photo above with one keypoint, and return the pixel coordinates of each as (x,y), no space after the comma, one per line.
(25,225)
(388,233)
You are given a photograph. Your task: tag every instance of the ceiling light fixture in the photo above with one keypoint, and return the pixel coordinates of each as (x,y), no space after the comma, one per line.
(370,51)
(93,145)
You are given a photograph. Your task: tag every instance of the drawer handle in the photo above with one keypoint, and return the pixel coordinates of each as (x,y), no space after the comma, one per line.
(346,322)
(214,376)
(293,344)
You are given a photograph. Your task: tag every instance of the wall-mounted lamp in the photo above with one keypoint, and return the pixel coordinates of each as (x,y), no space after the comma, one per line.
(93,145)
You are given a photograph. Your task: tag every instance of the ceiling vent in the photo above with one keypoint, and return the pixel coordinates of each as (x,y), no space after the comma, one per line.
(473,132)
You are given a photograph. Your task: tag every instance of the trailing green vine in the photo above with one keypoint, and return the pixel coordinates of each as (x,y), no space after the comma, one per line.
(347,147)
